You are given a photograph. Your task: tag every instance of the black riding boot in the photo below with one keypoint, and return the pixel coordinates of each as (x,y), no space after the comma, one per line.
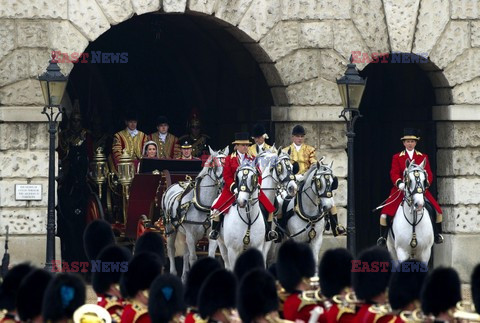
(336,229)
(437,231)
(382,241)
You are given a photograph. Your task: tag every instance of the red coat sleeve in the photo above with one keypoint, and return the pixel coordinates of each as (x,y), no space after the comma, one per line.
(428,170)
(229,170)
(396,171)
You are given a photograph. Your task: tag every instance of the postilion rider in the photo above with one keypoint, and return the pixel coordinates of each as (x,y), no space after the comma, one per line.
(409,139)
(226,198)
(304,156)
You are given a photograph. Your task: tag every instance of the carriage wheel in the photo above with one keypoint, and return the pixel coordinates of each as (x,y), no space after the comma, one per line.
(94,208)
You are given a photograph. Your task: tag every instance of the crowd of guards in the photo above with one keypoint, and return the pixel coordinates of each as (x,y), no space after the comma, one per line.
(289,290)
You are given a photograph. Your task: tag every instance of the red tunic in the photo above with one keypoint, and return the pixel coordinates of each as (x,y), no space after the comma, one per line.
(396,175)
(135,312)
(335,314)
(367,315)
(296,309)
(112,304)
(227,197)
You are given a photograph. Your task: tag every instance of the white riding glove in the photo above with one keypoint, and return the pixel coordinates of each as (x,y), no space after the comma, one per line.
(401,186)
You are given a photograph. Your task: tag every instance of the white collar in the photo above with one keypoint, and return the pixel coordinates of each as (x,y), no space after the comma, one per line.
(162,136)
(297,147)
(410,153)
(261,146)
(132,133)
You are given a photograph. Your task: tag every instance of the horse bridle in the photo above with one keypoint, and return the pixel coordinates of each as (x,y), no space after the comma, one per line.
(243,185)
(419,187)
(278,168)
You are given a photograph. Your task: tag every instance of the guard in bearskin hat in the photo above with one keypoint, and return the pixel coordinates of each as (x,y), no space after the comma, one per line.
(217,299)
(475,287)
(196,276)
(250,259)
(295,267)
(226,198)
(405,286)
(97,235)
(165,302)
(64,294)
(135,283)
(440,294)
(166,142)
(9,291)
(259,135)
(334,274)
(409,140)
(30,295)
(151,242)
(370,286)
(105,283)
(257,297)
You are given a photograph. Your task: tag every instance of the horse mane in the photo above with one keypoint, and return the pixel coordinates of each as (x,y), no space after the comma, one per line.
(312,169)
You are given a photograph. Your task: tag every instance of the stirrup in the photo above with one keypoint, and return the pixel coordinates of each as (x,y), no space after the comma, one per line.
(438,238)
(213,235)
(381,242)
(271,235)
(339,230)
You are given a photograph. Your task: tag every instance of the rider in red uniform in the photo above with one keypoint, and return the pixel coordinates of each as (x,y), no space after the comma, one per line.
(409,140)
(227,197)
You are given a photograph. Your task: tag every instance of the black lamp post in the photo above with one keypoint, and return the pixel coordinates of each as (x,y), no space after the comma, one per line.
(351,86)
(53,84)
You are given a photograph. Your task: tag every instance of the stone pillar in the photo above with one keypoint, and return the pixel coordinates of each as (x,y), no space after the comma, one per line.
(326,132)
(458,142)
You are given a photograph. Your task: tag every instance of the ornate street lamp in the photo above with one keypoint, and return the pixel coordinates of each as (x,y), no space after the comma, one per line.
(351,87)
(53,84)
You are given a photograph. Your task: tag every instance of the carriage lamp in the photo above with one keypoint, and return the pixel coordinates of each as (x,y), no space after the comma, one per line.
(351,86)
(53,84)
(126,172)
(99,169)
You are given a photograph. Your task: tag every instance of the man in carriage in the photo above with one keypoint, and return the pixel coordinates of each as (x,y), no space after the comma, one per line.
(197,139)
(226,198)
(186,150)
(409,139)
(166,142)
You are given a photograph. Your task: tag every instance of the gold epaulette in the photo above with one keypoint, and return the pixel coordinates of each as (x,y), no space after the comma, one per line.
(346,304)
(115,318)
(139,309)
(198,319)
(380,311)
(418,153)
(402,153)
(111,302)
(306,300)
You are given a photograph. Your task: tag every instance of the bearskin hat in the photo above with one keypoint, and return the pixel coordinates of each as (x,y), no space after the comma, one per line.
(441,291)
(196,276)
(217,292)
(248,260)
(143,268)
(257,295)
(11,284)
(335,271)
(298,130)
(64,294)
(151,242)
(101,281)
(369,284)
(97,235)
(295,261)
(405,285)
(30,294)
(272,269)
(165,298)
(475,282)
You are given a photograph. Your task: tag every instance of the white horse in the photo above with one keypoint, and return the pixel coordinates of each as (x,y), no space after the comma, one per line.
(244,225)
(187,211)
(310,206)
(411,236)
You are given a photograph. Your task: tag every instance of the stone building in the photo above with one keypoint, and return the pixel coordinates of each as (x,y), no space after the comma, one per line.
(284,55)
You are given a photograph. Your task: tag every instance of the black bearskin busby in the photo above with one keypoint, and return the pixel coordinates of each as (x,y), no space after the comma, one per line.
(97,235)
(248,260)
(64,294)
(196,276)
(257,295)
(165,298)
(30,294)
(298,130)
(405,284)
(475,287)
(369,284)
(151,242)
(441,291)
(11,284)
(102,280)
(335,271)
(219,291)
(295,262)
(143,268)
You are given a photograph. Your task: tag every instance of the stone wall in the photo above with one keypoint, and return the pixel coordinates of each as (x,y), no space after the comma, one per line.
(302,46)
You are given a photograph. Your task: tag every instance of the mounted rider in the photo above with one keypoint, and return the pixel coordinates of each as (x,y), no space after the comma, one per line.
(226,198)
(409,139)
(303,156)
(259,136)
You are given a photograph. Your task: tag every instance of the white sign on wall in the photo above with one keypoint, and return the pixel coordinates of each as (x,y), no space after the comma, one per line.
(28,192)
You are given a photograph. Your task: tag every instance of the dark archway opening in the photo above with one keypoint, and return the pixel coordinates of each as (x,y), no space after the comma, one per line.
(176,63)
(397,96)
